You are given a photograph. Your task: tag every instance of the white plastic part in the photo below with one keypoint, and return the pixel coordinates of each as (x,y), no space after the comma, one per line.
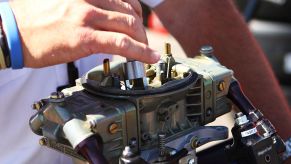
(76,131)
(249,132)
(152,3)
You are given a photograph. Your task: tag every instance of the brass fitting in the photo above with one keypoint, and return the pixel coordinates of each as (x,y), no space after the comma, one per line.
(168,49)
(106,67)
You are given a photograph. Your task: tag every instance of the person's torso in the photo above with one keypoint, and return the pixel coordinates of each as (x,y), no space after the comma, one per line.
(18,90)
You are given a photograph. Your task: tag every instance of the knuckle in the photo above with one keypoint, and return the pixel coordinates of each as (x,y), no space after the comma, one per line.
(87,14)
(128,7)
(84,42)
(133,23)
(83,37)
(134,6)
(122,42)
(138,8)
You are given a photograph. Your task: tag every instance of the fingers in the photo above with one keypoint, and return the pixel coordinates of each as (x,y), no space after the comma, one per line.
(135,4)
(118,29)
(116,43)
(118,6)
(118,22)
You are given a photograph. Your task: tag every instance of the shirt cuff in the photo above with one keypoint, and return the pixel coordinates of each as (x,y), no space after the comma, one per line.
(152,3)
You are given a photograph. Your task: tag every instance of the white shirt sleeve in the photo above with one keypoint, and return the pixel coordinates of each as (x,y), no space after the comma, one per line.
(152,3)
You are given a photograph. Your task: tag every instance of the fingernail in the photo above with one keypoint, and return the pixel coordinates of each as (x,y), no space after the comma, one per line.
(156,56)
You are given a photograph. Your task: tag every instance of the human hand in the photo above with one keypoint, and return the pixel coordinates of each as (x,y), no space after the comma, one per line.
(54,31)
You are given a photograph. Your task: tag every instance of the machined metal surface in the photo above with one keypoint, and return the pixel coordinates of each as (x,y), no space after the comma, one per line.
(134,70)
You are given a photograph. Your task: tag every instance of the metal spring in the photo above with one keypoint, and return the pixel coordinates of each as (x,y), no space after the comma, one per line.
(162,143)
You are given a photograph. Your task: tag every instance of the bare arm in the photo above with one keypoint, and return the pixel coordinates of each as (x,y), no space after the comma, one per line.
(198,22)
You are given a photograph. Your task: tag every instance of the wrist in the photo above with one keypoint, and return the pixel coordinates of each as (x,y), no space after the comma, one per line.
(11,36)
(152,3)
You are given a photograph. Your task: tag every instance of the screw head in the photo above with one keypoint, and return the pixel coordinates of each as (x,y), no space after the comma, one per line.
(221,86)
(42,141)
(206,50)
(113,128)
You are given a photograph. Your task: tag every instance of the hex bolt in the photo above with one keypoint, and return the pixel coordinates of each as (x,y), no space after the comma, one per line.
(162,142)
(240,119)
(206,50)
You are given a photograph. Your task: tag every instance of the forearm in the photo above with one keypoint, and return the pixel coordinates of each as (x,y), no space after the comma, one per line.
(198,22)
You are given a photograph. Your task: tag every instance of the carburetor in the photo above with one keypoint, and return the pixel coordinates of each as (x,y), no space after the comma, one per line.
(135,113)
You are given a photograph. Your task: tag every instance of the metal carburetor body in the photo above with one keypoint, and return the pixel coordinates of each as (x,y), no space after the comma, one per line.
(129,104)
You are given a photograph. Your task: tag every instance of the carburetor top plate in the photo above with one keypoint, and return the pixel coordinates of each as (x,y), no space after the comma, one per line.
(92,82)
